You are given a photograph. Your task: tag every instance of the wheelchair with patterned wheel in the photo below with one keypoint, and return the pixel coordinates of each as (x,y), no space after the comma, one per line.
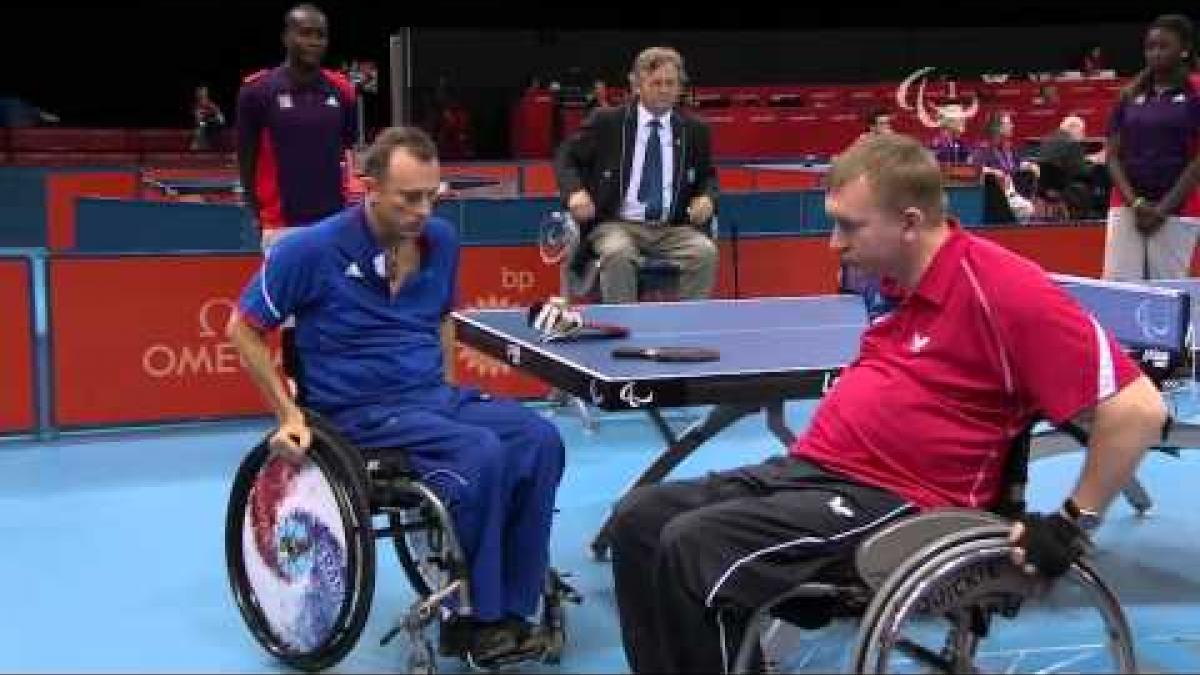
(300,554)
(937,592)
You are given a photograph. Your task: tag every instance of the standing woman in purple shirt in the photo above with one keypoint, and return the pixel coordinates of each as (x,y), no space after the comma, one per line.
(1153,138)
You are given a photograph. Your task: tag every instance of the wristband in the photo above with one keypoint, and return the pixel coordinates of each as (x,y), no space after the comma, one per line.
(1086,519)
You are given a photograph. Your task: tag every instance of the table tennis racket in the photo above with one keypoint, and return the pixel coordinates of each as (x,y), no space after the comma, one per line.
(667,354)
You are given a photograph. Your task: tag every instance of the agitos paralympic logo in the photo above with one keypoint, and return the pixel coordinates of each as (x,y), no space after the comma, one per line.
(209,353)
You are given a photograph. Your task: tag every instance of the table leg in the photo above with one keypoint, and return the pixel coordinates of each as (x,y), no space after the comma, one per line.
(778,425)
(718,419)
(1137,496)
(664,429)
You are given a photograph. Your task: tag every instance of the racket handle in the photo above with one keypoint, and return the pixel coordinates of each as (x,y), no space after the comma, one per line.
(632,353)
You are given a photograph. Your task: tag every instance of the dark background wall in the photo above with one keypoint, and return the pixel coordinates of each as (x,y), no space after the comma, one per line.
(488,85)
(742,56)
(135,63)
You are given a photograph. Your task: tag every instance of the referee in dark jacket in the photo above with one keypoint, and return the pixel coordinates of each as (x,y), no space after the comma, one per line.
(640,182)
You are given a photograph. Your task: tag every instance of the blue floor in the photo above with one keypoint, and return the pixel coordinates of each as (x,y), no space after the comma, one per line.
(113,549)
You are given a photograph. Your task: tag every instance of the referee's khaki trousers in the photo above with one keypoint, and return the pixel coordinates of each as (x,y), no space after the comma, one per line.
(1130,255)
(620,245)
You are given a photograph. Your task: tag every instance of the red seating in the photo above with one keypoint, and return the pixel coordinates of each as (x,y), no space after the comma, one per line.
(163,140)
(532,125)
(55,139)
(63,158)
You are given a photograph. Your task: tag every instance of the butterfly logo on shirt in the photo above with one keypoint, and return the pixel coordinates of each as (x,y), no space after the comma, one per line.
(918,343)
(838,506)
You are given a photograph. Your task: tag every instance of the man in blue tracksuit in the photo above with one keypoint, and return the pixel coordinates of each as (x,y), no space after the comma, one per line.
(371,288)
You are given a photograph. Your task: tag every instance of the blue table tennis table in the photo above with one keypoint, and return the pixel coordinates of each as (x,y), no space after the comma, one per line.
(195,186)
(779,349)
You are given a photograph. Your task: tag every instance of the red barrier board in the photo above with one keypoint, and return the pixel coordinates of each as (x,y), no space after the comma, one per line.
(784,266)
(735,178)
(788,266)
(142,339)
(16,349)
(539,179)
(724,287)
(1066,249)
(494,277)
(62,191)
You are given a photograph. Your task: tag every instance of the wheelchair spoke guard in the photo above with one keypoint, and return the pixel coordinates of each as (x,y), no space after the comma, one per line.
(300,552)
(966,608)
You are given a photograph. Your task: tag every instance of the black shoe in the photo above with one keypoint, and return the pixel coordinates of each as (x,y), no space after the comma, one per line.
(506,641)
(454,635)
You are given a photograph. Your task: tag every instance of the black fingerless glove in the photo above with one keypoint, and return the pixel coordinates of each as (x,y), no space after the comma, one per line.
(1052,542)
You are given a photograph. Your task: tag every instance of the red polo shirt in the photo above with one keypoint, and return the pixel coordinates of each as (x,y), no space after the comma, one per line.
(985,344)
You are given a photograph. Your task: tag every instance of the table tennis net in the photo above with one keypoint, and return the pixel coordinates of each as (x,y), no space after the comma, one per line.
(1142,318)
(1154,321)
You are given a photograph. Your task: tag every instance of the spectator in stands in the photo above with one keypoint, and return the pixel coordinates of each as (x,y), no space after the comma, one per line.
(296,125)
(1064,148)
(1068,175)
(17,112)
(1152,156)
(948,145)
(209,121)
(598,98)
(1047,95)
(996,153)
(639,180)
(1093,61)
(878,121)
(449,123)
(997,158)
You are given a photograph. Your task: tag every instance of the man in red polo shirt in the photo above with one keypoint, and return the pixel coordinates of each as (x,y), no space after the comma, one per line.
(977,343)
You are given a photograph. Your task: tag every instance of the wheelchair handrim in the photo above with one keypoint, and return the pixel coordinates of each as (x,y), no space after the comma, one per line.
(337,636)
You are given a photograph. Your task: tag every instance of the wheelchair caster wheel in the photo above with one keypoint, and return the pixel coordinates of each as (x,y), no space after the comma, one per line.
(555,642)
(421,660)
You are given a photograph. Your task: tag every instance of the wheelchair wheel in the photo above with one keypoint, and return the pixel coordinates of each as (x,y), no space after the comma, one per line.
(300,552)
(966,608)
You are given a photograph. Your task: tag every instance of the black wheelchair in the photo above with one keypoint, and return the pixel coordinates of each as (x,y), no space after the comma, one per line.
(300,554)
(937,592)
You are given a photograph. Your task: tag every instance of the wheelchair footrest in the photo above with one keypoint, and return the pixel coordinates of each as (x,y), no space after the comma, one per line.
(560,590)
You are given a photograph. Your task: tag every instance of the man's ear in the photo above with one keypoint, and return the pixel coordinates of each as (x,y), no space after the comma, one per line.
(914,219)
(370,186)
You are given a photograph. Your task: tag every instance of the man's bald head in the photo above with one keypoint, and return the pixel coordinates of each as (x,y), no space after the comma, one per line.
(305,36)
(1073,125)
(302,14)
